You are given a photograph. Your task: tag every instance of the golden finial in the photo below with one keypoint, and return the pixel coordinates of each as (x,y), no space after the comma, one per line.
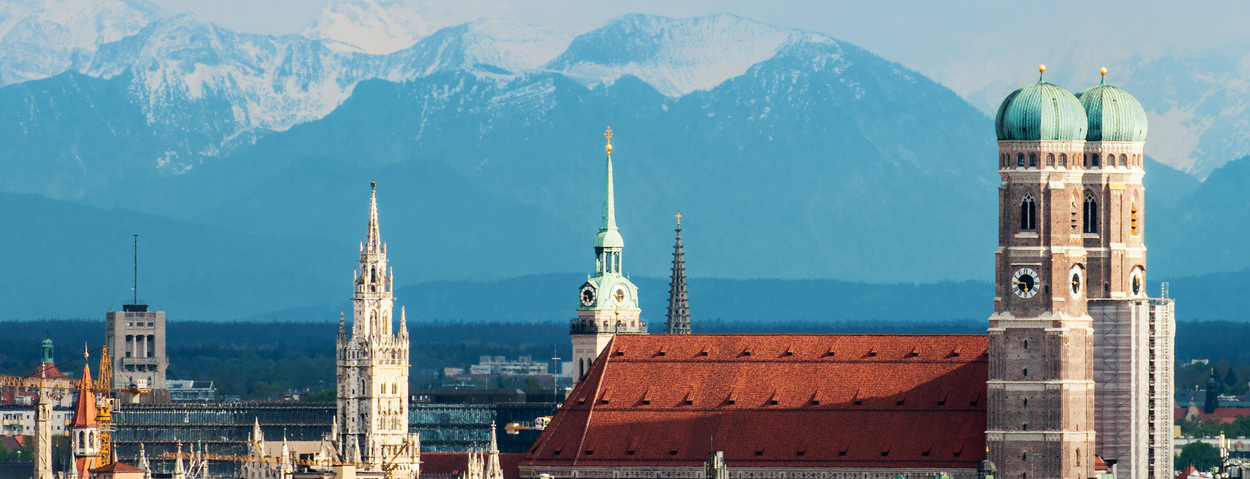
(608,135)
(678,219)
(1041,70)
(1103,72)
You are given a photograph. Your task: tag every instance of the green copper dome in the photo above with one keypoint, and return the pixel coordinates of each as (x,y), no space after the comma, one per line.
(1040,111)
(1114,115)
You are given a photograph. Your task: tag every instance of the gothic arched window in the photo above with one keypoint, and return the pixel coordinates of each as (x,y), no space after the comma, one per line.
(1028,213)
(1091,213)
(1032,161)
(1063,160)
(1094,160)
(1123,160)
(1050,160)
(1020,160)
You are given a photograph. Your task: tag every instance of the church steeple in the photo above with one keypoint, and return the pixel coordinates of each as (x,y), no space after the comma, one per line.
(678,318)
(608,300)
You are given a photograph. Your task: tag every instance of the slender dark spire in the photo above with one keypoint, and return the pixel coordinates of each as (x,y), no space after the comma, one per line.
(678,307)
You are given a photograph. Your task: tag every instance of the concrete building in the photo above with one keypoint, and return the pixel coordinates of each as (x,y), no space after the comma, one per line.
(188,390)
(372,364)
(136,342)
(215,428)
(1071,268)
(776,406)
(608,301)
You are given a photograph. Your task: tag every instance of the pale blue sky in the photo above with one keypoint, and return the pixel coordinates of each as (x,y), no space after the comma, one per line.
(964,45)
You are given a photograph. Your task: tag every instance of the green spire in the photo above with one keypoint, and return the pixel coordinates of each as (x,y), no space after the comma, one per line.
(609,206)
(608,236)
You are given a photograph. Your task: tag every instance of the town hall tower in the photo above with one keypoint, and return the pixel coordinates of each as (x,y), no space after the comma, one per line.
(372,362)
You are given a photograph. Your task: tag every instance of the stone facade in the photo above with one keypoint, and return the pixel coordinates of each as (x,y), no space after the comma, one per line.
(136,341)
(372,413)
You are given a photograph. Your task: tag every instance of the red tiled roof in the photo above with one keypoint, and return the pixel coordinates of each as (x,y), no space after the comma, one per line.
(117,467)
(776,400)
(1188,470)
(50,371)
(451,464)
(84,406)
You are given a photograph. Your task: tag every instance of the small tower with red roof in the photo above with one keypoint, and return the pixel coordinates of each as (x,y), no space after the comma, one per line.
(85,429)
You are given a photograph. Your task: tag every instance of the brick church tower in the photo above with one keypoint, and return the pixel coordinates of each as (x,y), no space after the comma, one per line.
(1040,420)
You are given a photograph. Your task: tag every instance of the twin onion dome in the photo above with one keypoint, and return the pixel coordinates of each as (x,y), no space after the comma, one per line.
(1044,111)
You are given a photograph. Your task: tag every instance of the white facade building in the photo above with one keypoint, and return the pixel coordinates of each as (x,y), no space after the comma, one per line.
(372,361)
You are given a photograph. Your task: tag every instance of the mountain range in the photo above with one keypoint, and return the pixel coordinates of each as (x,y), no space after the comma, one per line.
(243,160)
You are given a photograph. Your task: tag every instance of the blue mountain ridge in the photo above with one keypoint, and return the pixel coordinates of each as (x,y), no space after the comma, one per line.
(824,162)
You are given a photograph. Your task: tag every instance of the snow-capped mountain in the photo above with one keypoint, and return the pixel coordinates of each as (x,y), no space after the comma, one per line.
(675,55)
(376,27)
(41,38)
(510,47)
(183,71)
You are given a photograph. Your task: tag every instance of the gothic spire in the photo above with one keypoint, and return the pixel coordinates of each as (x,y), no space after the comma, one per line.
(373,240)
(678,321)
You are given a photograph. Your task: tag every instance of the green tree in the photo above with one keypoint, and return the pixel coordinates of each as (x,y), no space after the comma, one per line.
(329,395)
(1199,454)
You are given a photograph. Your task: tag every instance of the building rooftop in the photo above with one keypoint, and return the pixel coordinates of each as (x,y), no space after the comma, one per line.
(775,400)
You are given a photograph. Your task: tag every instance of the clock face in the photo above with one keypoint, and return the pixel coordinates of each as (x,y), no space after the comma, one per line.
(619,294)
(1025,282)
(588,295)
(1078,281)
(1136,284)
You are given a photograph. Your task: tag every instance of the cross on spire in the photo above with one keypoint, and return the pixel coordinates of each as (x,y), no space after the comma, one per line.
(608,134)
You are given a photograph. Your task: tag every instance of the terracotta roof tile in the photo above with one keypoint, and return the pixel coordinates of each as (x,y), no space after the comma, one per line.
(897,401)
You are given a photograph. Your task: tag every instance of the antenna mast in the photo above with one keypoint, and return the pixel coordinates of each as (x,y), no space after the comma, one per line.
(136,286)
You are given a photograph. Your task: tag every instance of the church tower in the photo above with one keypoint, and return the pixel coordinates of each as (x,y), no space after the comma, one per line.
(84,431)
(607,302)
(1133,334)
(678,318)
(1040,420)
(373,367)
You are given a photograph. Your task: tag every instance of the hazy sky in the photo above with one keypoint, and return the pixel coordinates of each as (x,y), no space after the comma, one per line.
(965,45)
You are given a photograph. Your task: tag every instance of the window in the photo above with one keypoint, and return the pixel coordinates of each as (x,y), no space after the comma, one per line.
(1028,213)
(1063,160)
(1032,161)
(1078,457)
(1026,402)
(1020,160)
(1123,160)
(1050,160)
(1094,160)
(1132,220)
(1091,213)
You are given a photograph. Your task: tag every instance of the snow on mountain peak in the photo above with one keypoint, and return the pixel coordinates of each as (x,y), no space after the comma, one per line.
(675,55)
(376,27)
(41,38)
(511,47)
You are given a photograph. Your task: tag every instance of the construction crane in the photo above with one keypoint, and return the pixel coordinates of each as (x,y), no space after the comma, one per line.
(48,389)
